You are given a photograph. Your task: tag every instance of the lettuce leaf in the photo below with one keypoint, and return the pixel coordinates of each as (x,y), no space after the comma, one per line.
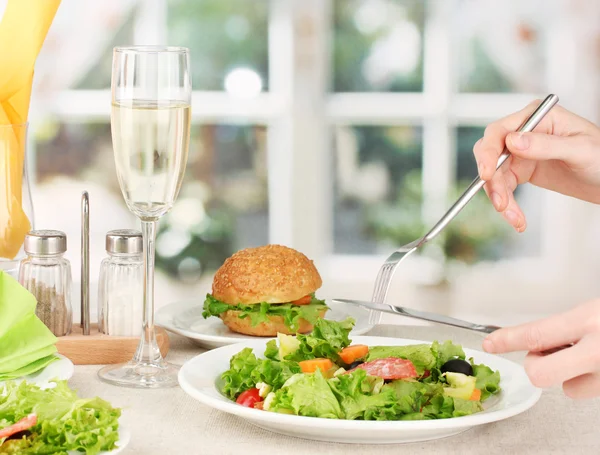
(272,351)
(488,381)
(65,421)
(327,339)
(245,371)
(307,395)
(446,351)
(361,396)
(260,312)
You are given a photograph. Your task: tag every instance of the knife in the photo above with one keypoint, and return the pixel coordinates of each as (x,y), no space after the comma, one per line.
(423,315)
(434,317)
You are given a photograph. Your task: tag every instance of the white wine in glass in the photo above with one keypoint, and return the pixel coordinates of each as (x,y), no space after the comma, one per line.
(150,124)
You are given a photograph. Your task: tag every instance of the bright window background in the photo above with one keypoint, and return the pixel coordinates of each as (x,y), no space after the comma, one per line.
(341,127)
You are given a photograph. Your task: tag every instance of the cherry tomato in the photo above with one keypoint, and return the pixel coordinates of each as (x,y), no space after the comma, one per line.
(249,398)
(426,374)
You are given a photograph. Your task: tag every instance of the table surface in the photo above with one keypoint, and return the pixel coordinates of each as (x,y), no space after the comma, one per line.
(171,422)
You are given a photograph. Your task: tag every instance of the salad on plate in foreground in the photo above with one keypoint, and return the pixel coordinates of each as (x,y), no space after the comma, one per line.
(323,374)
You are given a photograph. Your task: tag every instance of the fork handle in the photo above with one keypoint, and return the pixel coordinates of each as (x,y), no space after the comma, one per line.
(528,125)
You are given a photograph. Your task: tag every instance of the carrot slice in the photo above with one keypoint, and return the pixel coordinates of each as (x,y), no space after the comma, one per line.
(476,395)
(353,353)
(259,405)
(303,301)
(310,366)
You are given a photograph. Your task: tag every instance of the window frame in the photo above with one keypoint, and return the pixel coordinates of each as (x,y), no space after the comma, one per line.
(299,111)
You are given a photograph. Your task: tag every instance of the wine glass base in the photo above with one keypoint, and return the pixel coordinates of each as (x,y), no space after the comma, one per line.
(142,375)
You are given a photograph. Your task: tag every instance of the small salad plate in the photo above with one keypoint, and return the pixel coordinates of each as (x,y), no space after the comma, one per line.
(185,318)
(201,379)
(124,438)
(61,369)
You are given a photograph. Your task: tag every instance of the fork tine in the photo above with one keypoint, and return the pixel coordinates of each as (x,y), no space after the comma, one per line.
(381,287)
(384,277)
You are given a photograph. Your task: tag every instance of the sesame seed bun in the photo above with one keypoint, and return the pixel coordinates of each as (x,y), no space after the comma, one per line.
(271,273)
(265,329)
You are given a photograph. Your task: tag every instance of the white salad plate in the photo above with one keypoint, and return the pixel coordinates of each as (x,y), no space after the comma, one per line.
(61,369)
(124,438)
(200,378)
(185,318)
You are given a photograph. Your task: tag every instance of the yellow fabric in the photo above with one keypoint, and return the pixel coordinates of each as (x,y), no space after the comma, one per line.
(23,30)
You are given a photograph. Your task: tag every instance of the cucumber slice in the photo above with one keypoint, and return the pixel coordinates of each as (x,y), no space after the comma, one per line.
(288,344)
(461,385)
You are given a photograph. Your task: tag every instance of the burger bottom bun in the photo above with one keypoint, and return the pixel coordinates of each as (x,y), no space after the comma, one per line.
(265,329)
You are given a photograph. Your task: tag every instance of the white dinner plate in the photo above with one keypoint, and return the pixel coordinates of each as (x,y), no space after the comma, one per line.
(185,318)
(200,378)
(61,369)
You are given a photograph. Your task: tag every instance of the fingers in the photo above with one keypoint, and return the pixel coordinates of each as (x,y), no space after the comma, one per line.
(514,215)
(500,191)
(488,150)
(577,150)
(581,387)
(541,335)
(497,191)
(554,369)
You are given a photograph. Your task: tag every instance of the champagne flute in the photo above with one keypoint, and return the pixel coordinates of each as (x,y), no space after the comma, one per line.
(150,123)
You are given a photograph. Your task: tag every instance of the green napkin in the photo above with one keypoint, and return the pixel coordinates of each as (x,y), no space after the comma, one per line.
(26,344)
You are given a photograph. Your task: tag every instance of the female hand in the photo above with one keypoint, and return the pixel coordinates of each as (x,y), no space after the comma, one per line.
(562,155)
(577,368)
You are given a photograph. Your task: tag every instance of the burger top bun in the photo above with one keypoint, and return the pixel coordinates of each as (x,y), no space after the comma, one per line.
(271,273)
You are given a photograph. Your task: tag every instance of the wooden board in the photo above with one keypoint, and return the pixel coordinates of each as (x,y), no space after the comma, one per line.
(99,349)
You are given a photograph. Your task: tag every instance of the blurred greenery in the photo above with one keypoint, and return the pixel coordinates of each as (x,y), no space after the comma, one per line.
(475,234)
(222,155)
(351,47)
(221,35)
(478,233)
(210,241)
(484,76)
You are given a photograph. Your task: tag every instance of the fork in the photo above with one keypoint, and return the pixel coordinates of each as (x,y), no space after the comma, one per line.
(387,270)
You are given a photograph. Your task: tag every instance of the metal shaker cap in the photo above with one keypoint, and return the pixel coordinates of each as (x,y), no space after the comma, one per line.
(124,241)
(45,242)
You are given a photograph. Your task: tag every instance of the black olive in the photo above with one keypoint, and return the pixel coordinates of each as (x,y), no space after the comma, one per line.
(457,366)
(355,364)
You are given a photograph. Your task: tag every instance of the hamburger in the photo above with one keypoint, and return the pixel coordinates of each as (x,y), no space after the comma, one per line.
(266,290)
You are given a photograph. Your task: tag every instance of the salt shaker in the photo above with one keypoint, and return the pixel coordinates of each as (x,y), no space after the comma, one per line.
(120,287)
(47,275)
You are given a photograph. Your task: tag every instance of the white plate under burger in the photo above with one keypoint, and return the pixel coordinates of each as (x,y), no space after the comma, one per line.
(185,318)
(200,378)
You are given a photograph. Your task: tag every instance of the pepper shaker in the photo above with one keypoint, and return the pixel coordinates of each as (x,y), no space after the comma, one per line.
(47,275)
(121,284)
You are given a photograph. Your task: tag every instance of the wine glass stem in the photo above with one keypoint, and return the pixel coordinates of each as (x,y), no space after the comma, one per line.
(148,350)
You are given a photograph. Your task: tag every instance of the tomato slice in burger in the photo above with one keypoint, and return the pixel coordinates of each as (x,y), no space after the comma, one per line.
(303,301)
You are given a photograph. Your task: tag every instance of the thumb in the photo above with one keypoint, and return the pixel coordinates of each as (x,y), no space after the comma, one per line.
(541,147)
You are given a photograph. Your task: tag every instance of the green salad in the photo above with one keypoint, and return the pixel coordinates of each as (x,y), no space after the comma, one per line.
(54,421)
(323,374)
